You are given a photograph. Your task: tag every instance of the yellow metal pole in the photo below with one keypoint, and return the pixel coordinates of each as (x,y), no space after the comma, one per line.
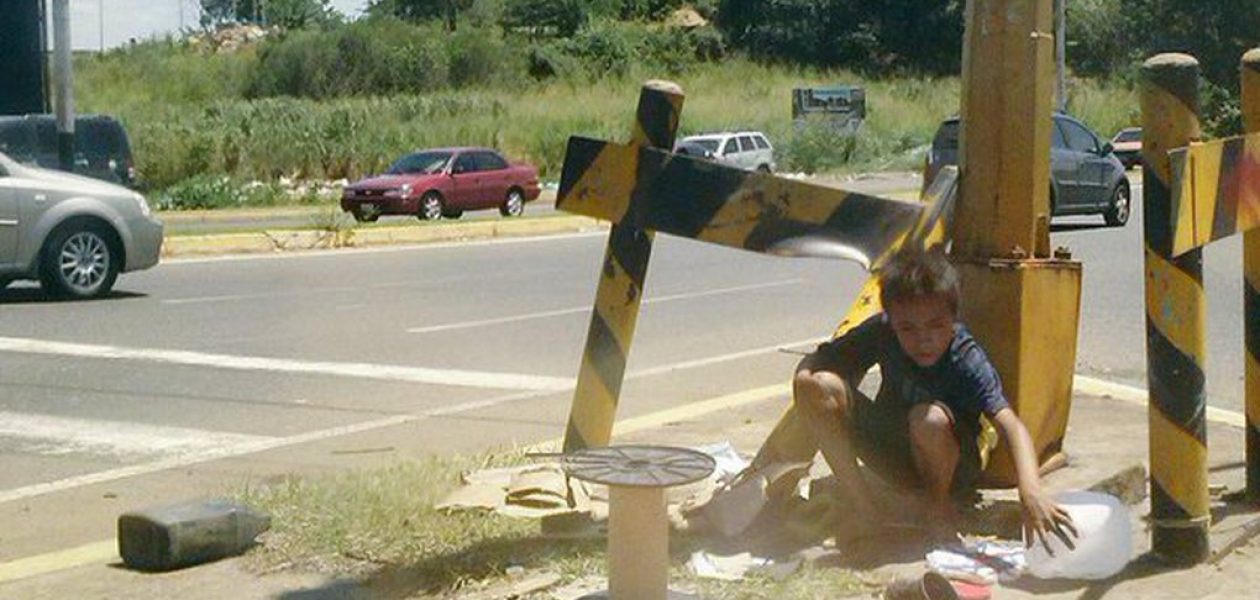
(620,289)
(1022,305)
(1251,286)
(1008,88)
(1175,317)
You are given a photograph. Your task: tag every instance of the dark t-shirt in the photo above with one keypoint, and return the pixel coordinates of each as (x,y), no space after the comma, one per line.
(963,379)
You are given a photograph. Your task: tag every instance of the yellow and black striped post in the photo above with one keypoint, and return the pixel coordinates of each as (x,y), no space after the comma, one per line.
(1251,287)
(620,288)
(1175,316)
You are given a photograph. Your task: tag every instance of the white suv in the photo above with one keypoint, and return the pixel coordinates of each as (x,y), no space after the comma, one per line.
(744,149)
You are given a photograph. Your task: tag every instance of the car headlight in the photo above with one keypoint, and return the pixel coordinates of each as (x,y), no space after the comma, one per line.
(404,189)
(142,204)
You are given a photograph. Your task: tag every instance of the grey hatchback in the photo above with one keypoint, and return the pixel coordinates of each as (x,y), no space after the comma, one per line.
(1085,175)
(72,233)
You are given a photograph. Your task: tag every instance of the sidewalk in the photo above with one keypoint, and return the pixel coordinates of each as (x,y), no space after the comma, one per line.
(1105,435)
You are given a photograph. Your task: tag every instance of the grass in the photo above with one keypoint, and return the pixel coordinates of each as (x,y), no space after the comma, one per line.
(188,119)
(380,525)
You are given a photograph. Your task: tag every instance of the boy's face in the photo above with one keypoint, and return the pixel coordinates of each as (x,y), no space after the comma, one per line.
(924,327)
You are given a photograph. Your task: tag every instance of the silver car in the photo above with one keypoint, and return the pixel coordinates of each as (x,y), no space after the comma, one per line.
(1085,175)
(743,149)
(72,233)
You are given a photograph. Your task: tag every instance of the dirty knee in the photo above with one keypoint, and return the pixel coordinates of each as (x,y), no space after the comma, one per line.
(930,422)
(812,391)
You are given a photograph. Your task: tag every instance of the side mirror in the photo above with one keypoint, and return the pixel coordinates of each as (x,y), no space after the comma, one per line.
(1107,148)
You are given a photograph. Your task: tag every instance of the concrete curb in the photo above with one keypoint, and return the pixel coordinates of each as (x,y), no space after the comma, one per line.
(285,240)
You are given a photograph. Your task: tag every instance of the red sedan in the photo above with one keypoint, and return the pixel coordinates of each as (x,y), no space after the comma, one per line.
(443,182)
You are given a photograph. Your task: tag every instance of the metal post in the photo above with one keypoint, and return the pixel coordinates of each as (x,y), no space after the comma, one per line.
(1006,100)
(1019,302)
(1175,318)
(64,84)
(1060,53)
(620,289)
(1251,286)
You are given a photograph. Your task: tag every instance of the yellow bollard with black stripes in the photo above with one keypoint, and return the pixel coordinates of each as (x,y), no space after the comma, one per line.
(620,289)
(1251,287)
(1175,317)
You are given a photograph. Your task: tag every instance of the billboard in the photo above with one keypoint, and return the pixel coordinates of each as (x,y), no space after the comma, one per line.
(22,57)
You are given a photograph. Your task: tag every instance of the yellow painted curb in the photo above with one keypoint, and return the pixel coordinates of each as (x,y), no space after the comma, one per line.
(96,552)
(297,240)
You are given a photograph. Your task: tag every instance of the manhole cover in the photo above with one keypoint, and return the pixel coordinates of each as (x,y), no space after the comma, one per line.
(638,466)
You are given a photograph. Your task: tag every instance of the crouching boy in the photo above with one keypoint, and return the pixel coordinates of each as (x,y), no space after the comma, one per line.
(923,428)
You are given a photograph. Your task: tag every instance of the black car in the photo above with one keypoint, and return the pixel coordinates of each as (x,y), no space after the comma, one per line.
(1085,175)
(101,148)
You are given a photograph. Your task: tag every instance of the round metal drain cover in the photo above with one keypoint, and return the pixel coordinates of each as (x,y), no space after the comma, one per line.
(638,466)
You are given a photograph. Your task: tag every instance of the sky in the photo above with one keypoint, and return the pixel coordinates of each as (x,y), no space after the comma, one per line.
(121,20)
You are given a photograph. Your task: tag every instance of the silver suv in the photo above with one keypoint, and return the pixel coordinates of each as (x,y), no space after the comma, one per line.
(72,233)
(743,149)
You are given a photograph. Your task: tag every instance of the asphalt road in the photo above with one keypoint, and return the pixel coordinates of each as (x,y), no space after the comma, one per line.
(201,375)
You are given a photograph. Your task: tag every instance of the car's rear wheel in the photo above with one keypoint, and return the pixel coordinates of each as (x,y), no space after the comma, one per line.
(430,207)
(79,261)
(1117,213)
(763,168)
(514,204)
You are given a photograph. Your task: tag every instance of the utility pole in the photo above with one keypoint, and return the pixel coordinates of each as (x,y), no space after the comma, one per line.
(63,84)
(100,22)
(1060,53)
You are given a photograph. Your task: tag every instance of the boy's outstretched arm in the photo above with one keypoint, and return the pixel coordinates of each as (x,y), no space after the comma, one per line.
(1041,514)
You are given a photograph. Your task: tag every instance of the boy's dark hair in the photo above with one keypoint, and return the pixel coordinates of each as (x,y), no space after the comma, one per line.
(915,274)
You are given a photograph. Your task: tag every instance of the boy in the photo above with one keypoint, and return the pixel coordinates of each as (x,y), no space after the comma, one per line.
(923,427)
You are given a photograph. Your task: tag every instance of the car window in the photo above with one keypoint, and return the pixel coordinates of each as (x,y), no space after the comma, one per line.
(1079,138)
(1058,141)
(946,136)
(731,147)
(489,161)
(709,144)
(746,143)
(419,163)
(466,163)
(1129,135)
(762,142)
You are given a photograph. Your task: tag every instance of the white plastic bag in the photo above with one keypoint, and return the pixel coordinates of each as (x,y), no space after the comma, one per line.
(1104,544)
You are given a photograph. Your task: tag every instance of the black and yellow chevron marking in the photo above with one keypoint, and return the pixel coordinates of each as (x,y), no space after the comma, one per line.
(1215,191)
(1251,286)
(697,199)
(620,290)
(1175,316)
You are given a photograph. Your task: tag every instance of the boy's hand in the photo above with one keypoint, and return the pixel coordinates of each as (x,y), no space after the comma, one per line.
(1042,516)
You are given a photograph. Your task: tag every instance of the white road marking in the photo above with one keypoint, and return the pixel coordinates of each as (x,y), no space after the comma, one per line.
(454,377)
(1136,395)
(338,252)
(587,309)
(304,292)
(263,444)
(52,435)
(704,362)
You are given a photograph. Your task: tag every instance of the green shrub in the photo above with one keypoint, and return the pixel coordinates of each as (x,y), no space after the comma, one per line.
(381,56)
(481,57)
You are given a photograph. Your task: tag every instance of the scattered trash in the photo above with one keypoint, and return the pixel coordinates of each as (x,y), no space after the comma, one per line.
(518,587)
(186,534)
(737,566)
(1104,544)
(985,562)
(929,586)
(525,491)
